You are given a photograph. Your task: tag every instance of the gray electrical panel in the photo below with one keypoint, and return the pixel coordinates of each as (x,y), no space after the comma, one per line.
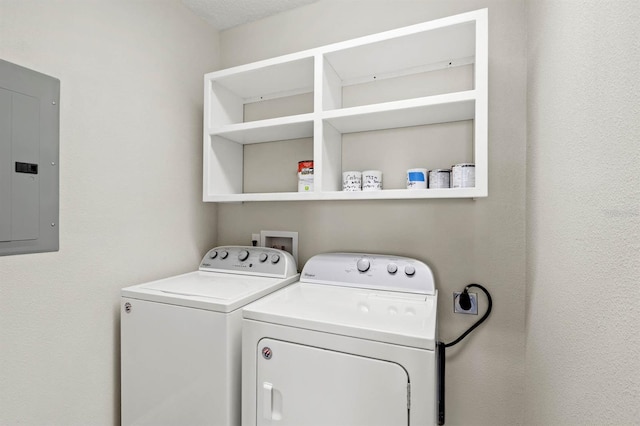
(29,157)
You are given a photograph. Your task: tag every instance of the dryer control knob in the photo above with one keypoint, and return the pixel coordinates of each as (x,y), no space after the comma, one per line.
(363,265)
(243,255)
(409,270)
(224,254)
(392,268)
(213,254)
(275,258)
(264,257)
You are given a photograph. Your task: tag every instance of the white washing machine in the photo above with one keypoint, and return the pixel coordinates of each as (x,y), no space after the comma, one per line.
(351,344)
(181,337)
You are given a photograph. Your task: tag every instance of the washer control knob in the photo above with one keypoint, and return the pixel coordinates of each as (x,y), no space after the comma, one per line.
(224,254)
(275,258)
(264,257)
(392,268)
(243,255)
(363,265)
(213,254)
(409,270)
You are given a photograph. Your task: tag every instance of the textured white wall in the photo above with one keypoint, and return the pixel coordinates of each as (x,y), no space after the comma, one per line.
(583,213)
(130,190)
(130,194)
(463,240)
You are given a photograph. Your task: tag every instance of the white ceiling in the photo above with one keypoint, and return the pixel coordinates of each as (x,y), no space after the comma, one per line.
(223,14)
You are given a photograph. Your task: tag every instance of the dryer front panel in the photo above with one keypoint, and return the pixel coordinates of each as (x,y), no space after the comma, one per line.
(299,385)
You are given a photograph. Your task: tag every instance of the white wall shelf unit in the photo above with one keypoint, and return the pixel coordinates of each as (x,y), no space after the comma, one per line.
(396,79)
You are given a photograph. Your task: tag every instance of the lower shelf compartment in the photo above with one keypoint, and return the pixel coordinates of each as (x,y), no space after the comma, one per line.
(387,194)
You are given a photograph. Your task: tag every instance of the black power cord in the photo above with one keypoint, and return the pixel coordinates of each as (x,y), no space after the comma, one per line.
(465,303)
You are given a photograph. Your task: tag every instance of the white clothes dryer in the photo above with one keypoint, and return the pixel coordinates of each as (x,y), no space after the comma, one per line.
(351,344)
(181,337)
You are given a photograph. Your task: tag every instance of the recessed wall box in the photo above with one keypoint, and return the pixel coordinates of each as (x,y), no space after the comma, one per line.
(29,158)
(283,240)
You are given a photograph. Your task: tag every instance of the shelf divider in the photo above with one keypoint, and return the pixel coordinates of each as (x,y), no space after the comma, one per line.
(412,112)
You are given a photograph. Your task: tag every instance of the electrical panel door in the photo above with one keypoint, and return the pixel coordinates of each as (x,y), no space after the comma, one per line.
(29,141)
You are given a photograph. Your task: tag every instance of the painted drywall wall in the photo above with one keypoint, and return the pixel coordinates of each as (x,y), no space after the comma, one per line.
(463,240)
(130,194)
(583,213)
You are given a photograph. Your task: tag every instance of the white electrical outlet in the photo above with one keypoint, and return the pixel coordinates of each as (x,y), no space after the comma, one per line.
(473,297)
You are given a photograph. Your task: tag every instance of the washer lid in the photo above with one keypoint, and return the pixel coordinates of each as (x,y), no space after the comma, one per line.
(391,317)
(207,290)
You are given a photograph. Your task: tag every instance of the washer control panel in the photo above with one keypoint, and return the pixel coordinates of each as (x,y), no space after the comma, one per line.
(249,260)
(373,271)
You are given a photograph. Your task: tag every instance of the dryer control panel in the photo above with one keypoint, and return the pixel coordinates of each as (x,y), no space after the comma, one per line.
(373,271)
(249,260)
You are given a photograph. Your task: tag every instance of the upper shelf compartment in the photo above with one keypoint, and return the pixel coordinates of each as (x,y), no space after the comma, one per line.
(228,91)
(421,60)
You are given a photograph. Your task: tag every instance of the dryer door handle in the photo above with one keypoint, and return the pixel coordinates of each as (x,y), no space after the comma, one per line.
(267,400)
(271,402)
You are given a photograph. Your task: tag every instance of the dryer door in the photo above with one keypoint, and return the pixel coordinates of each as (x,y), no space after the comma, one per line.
(302,385)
